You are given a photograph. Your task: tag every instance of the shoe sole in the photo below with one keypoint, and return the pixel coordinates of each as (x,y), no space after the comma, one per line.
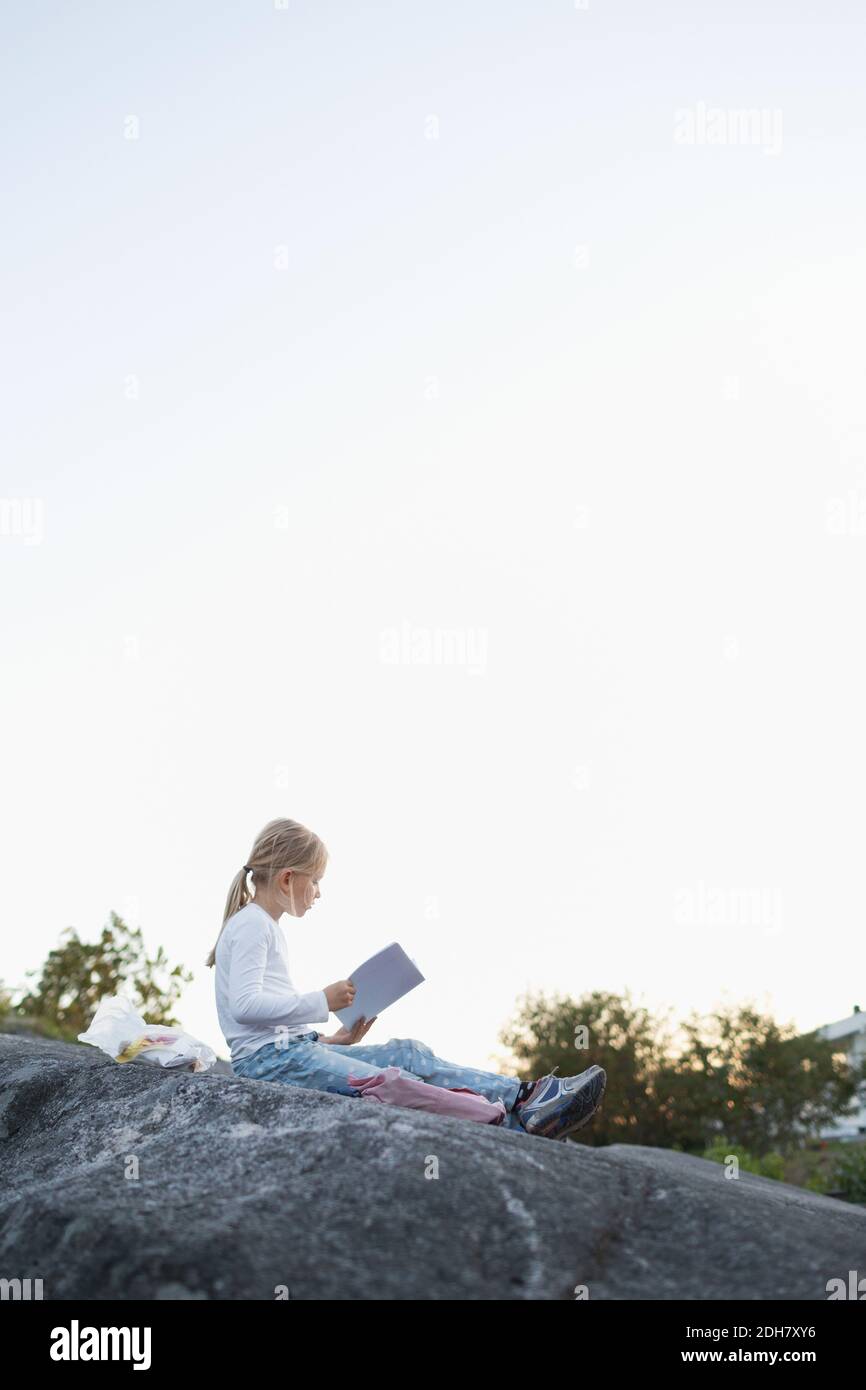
(571,1128)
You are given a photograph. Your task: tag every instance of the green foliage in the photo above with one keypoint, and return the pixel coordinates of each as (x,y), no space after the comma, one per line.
(846,1173)
(619,1035)
(736,1078)
(77,974)
(769,1165)
(743,1079)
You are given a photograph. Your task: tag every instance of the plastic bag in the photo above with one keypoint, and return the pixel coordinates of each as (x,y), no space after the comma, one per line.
(118,1030)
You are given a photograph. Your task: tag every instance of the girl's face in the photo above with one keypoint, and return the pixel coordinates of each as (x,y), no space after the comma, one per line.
(298,891)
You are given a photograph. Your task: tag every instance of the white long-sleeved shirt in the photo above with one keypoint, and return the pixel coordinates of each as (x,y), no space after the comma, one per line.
(255,998)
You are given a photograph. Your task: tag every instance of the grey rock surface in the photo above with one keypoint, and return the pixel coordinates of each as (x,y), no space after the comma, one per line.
(245,1188)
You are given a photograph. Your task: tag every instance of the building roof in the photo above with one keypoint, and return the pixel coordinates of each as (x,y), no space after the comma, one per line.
(845,1028)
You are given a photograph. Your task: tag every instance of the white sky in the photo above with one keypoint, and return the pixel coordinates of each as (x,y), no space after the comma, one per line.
(534,372)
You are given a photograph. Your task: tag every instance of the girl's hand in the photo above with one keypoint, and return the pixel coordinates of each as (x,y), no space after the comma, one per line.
(346,1036)
(339,995)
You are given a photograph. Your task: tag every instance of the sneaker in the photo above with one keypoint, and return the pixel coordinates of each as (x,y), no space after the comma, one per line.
(559,1105)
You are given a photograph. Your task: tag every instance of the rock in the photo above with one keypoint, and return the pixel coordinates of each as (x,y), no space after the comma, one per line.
(133,1182)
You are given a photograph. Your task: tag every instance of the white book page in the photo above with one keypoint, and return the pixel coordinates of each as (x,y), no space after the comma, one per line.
(380,981)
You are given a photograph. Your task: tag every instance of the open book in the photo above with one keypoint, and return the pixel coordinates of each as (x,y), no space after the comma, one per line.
(380,981)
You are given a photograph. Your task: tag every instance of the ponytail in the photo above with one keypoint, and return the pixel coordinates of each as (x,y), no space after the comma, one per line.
(239,896)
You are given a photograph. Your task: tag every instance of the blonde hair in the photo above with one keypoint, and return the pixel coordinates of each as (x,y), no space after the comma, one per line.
(283,844)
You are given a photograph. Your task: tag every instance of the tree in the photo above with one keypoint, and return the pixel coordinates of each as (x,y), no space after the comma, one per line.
(734,1077)
(77,974)
(744,1079)
(605,1028)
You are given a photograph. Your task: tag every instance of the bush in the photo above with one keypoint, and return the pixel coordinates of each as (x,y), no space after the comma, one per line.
(77,974)
(770,1165)
(845,1173)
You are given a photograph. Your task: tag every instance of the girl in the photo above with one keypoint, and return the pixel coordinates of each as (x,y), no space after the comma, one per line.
(266,1021)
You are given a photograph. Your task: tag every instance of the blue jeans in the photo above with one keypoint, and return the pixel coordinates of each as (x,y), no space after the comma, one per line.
(323,1066)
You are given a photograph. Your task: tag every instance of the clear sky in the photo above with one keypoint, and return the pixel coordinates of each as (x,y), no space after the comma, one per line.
(443,425)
